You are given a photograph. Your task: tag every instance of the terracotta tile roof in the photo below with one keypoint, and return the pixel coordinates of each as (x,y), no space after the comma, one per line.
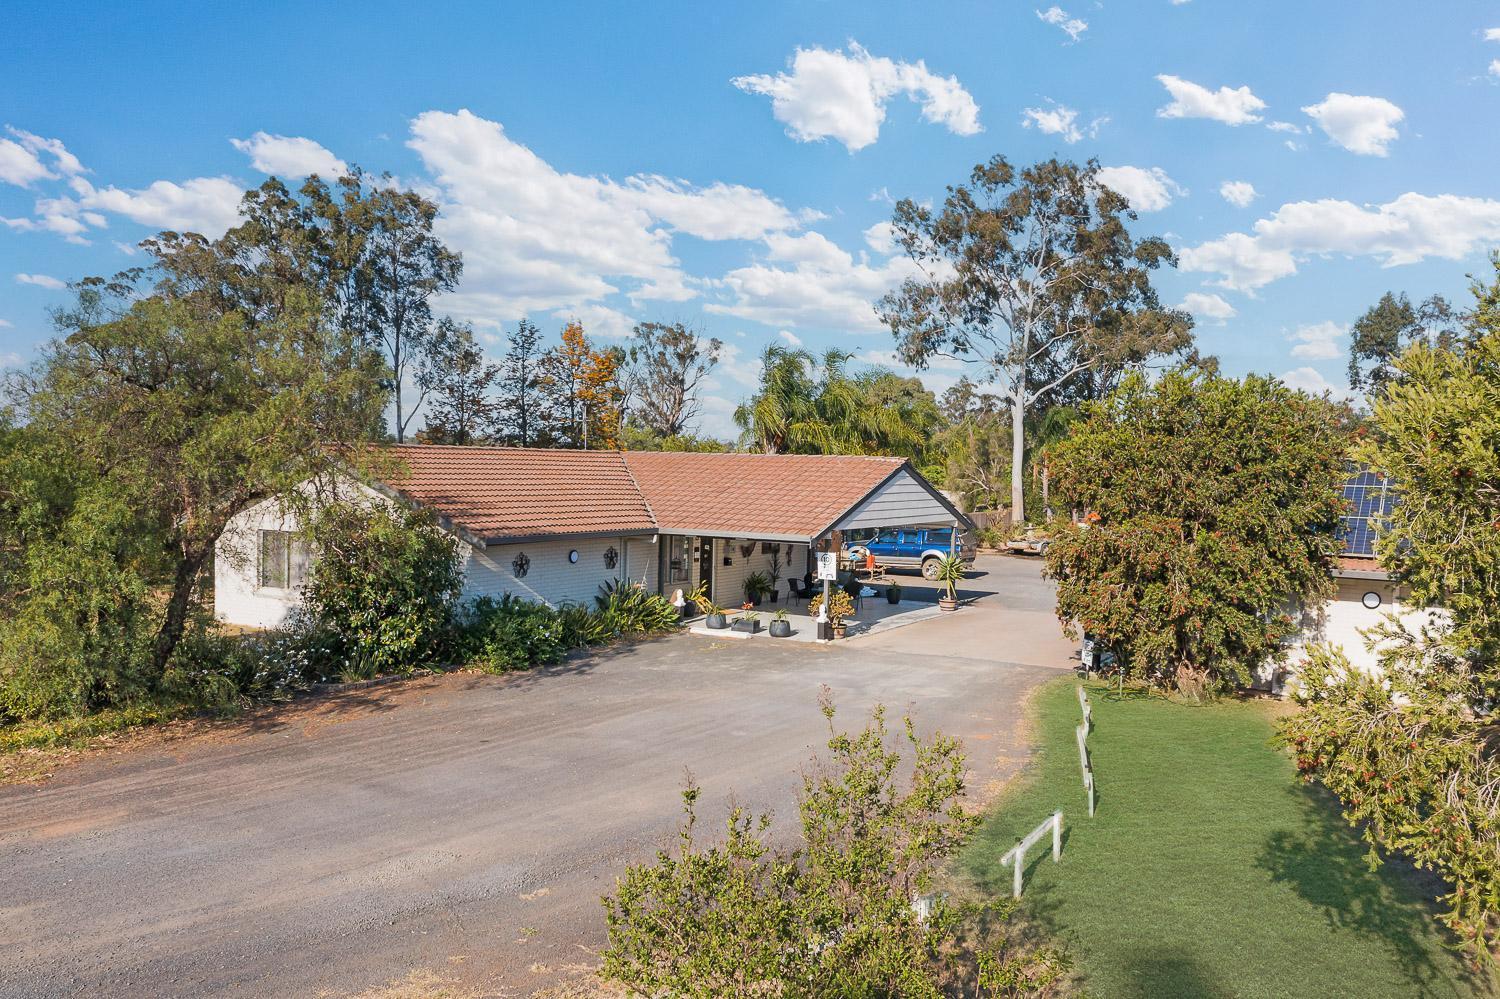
(1355,563)
(754,495)
(496,493)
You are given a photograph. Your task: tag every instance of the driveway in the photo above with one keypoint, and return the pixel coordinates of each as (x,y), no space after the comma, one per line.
(464,826)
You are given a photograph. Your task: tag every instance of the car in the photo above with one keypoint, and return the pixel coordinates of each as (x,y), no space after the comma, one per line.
(918,548)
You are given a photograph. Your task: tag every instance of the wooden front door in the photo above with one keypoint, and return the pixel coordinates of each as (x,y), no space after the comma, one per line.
(705,553)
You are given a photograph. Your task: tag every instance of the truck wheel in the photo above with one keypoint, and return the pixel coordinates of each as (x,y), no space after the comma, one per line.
(929,568)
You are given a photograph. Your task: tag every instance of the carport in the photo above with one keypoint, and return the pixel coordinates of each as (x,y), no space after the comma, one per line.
(726,517)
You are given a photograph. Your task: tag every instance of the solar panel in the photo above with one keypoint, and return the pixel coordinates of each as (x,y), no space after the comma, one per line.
(1370,498)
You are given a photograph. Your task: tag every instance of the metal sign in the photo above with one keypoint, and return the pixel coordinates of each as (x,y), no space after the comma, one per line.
(828,565)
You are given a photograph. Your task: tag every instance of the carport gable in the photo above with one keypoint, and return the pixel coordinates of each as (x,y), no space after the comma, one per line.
(780,497)
(904,498)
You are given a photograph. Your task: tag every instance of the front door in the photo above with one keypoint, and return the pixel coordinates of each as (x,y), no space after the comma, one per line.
(705,552)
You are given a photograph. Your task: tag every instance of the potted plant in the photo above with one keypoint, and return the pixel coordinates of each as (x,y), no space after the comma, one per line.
(748,622)
(949,571)
(695,601)
(774,591)
(780,626)
(713,614)
(840,606)
(893,593)
(756,585)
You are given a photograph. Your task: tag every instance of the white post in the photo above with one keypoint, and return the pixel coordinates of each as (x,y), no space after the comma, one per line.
(1015,890)
(1056,836)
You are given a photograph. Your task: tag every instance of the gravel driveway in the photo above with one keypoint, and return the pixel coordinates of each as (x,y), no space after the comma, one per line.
(464,825)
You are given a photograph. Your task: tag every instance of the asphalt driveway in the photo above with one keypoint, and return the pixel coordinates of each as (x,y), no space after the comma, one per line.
(464,825)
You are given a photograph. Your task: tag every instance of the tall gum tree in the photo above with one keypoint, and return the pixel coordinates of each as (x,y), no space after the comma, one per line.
(1032,275)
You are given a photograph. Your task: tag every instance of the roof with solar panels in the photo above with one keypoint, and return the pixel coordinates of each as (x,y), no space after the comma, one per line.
(1371,498)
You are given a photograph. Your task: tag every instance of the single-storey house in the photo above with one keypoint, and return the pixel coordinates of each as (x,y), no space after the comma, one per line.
(1366,596)
(555,525)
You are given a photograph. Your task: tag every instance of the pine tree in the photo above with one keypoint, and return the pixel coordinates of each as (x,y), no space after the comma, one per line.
(518,407)
(459,383)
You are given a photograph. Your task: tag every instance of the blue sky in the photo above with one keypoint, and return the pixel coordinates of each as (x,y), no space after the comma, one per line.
(731,166)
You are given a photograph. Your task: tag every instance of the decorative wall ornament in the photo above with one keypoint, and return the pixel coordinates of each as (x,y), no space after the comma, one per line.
(611,557)
(745,550)
(521,564)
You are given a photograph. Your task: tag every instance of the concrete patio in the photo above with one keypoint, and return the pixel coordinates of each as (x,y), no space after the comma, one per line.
(872,616)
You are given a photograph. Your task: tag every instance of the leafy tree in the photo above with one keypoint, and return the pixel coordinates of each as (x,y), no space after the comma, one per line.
(1411,754)
(385,580)
(582,387)
(520,402)
(1034,276)
(833,918)
(178,420)
(809,405)
(1212,508)
(460,383)
(1387,328)
(666,365)
(366,251)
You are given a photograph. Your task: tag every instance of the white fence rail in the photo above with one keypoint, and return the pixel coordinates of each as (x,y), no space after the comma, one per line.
(1083,748)
(1016,855)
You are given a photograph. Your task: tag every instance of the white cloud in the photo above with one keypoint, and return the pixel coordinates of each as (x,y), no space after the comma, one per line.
(1237,192)
(1074,26)
(790,337)
(1209,307)
(1492,34)
(1495,67)
(828,94)
(1318,341)
(21,158)
(881,237)
(1284,126)
(1364,125)
(602,321)
(1407,230)
(1311,381)
(6,324)
(807,280)
(206,205)
(290,156)
(41,281)
(1055,119)
(1189,100)
(535,238)
(1147,190)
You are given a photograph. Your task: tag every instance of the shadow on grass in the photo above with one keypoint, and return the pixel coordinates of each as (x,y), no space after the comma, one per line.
(1172,971)
(1327,865)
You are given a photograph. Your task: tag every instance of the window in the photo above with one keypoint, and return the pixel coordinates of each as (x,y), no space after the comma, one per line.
(940,538)
(283,560)
(888,538)
(677,561)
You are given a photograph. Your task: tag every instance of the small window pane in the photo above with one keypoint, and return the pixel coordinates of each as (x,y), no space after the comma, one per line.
(939,537)
(273,559)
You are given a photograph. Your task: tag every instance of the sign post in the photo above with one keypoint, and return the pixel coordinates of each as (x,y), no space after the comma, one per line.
(828,572)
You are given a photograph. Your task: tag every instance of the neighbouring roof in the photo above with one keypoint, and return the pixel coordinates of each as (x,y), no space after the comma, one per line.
(1356,567)
(502,494)
(755,495)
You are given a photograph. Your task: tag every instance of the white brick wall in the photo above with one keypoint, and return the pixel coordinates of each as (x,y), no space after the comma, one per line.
(240,600)
(729,580)
(551,578)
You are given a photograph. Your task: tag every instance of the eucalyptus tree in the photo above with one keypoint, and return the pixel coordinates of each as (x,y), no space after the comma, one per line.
(665,368)
(460,383)
(1390,326)
(1034,277)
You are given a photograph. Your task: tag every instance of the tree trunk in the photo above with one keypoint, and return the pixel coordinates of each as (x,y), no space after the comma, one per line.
(178,605)
(1017,459)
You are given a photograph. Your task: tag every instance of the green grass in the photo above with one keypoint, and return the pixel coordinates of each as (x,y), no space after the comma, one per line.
(75,732)
(1209,870)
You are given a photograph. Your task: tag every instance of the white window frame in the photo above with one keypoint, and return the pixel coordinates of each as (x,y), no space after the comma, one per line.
(291,552)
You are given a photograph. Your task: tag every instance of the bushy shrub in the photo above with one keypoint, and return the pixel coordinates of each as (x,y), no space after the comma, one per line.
(627,609)
(511,633)
(833,917)
(386,581)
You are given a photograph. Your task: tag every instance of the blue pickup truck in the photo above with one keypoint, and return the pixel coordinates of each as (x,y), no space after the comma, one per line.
(912,548)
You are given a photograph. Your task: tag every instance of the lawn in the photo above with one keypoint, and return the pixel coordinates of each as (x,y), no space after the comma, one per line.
(1209,870)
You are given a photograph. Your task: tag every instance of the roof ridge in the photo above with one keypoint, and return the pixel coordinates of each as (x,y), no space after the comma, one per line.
(650,512)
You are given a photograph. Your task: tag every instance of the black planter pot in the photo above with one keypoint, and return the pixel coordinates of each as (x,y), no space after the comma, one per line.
(781,629)
(749,627)
(893,595)
(717,621)
(773,596)
(755,600)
